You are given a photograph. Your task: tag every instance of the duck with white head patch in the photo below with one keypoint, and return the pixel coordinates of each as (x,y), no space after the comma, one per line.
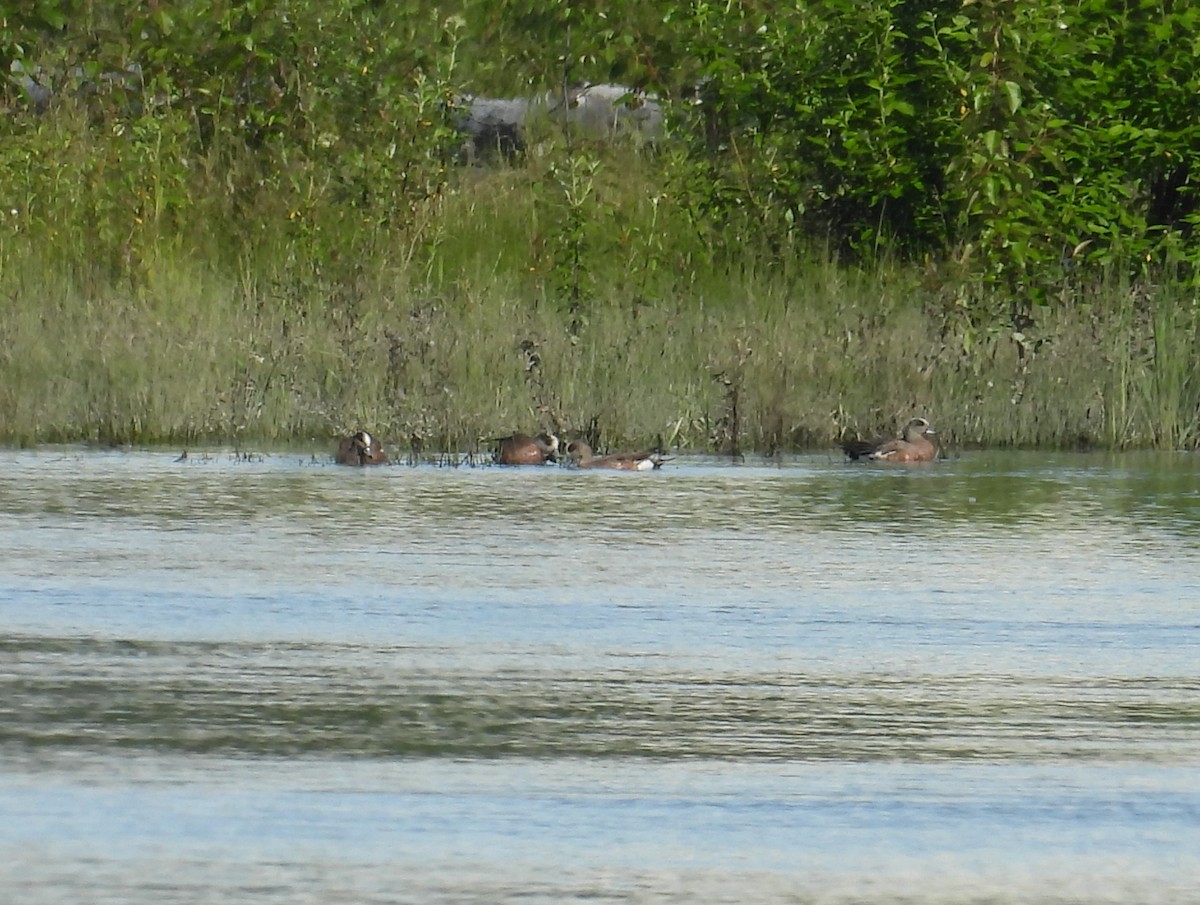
(522,449)
(360,448)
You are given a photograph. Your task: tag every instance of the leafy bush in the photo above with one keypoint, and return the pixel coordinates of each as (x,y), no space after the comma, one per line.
(1018,139)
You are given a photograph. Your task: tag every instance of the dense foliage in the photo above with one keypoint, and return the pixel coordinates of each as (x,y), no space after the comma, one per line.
(1014,138)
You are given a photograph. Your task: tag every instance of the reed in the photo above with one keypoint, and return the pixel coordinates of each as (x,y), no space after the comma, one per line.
(582,297)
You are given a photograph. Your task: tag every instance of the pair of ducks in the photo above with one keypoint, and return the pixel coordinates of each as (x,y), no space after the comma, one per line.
(522,449)
(361,448)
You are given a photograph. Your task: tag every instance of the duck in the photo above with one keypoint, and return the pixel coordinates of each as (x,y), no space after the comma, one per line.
(580,453)
(360,448)
(913,446)
(522,449)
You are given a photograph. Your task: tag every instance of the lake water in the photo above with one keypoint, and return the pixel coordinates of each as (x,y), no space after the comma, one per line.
(275,680)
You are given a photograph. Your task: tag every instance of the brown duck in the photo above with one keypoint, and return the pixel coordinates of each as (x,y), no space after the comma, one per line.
(522,449)
(360,448)
(581,454)
(913,446)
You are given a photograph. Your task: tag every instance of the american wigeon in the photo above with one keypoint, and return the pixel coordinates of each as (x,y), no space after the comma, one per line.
(913,446)
(522,449)
(581,454)
(360,448)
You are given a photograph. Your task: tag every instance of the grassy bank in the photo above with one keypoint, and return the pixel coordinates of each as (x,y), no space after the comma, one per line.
(250,223)
(569,292)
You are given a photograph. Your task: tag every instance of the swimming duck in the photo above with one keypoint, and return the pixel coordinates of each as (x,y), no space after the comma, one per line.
(581,454)
(522,449)
(913,446)
(360,448)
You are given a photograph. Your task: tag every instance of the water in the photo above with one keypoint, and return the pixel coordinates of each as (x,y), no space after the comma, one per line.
(280,681)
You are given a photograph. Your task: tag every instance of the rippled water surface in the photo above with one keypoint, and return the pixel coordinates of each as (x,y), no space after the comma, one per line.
(275,680)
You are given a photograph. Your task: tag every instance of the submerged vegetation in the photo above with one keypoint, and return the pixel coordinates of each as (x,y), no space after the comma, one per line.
(251,222)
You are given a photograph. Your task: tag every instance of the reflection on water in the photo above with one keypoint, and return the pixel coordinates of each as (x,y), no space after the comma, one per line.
(778,681)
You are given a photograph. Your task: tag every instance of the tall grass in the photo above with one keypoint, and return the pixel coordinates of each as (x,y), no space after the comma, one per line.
(569,292)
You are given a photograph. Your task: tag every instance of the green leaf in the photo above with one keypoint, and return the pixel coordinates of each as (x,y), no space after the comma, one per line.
(1013,92)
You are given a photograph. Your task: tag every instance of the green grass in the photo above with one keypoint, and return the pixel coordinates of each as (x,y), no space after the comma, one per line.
(571,293)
